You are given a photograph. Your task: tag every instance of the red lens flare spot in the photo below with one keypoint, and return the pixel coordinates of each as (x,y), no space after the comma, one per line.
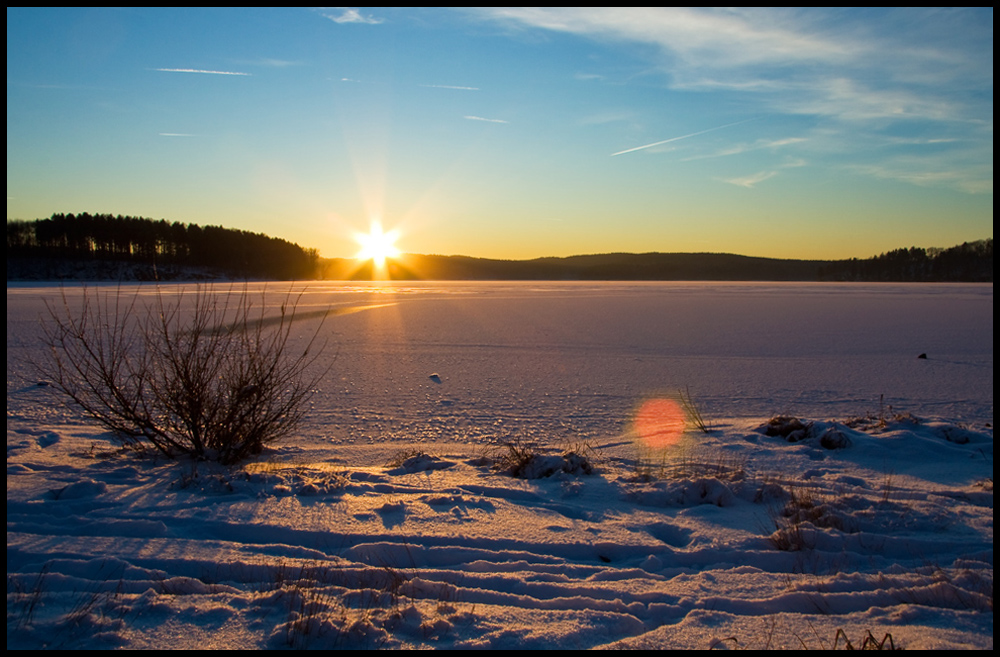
(660,423)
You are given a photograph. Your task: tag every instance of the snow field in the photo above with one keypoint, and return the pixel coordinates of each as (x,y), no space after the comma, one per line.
(388,524)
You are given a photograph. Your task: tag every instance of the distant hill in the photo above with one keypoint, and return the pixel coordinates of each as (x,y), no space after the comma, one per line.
(609,266)
(107,247)
(969,262)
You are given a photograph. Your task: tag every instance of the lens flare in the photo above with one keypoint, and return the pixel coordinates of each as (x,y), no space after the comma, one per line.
(660,423)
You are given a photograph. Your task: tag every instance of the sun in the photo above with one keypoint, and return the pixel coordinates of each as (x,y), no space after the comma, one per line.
(376,245)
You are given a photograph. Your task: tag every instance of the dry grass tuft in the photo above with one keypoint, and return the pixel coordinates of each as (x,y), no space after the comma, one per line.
(868,642)
(693,411)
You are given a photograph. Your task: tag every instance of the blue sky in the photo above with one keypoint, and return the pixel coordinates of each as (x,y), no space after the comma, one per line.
(513,133)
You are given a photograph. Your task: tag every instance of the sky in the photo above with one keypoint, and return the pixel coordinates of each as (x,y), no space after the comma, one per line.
(513,132)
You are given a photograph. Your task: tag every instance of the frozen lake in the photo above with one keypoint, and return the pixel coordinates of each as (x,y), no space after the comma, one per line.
(390,520)
(554,360)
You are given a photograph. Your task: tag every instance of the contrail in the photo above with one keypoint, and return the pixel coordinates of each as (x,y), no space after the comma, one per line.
(198,70)
(667,141)
(449,86)
(480,118)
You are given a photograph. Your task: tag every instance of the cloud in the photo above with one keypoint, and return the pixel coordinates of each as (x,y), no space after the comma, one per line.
(794,163)
(448,86)
(198,70)
(851,100)
(175,134)
(971,180)
(760,144)
(703,39)
(750,181)
(351,15)
(480,118)
(777,143)
(853,64)
(863,77)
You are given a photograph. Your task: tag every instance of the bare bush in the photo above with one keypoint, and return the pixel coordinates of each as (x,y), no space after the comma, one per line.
(215,378)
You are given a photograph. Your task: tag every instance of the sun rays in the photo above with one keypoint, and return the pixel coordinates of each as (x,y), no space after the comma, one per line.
(377,245)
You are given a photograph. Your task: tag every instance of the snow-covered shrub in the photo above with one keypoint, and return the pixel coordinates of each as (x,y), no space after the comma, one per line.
(521,460)
(803,513)
(206,374)
(790,428)
(829,435)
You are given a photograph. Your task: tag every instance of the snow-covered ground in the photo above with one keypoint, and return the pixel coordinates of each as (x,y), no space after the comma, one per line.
(383,523)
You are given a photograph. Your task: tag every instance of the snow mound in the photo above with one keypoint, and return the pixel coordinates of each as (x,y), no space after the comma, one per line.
(409,463)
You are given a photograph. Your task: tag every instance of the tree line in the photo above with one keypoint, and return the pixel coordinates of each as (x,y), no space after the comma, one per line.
(104,237)
(160,246)
(969,262)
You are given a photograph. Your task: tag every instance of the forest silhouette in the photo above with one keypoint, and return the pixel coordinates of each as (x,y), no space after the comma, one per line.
(53,248)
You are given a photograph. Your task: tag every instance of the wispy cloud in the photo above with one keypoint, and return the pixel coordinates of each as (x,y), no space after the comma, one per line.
(772,49)
(777,143)
(351,15)
(199,70)
(858,73)
(449,86)
(480,118)
(852,64)
(739,149)
(175,134)
(794,163)
(750,181)
(972,180)
(704,39)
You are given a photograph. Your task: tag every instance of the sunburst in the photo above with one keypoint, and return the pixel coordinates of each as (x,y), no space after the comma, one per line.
(377,245)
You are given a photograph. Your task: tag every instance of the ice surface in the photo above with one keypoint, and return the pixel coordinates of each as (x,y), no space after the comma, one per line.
(383,524)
